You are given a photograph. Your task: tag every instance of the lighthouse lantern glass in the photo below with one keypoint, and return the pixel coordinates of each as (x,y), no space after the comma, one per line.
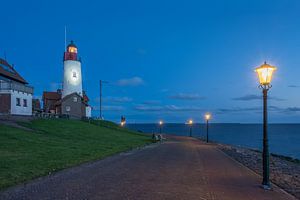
(72,49)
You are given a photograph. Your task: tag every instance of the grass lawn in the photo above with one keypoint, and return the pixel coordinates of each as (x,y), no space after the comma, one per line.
(58,144)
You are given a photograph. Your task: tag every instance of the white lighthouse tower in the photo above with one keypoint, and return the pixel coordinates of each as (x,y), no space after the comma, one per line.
(72,81)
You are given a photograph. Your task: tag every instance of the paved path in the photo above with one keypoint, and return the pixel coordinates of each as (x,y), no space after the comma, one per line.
(183,168)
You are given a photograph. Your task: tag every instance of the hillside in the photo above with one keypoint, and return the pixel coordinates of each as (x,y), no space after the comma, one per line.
(56,144)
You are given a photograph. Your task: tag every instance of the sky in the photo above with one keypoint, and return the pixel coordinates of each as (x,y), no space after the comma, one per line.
(163,60)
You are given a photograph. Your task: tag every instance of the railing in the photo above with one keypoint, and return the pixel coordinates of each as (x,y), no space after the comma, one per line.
(15,86)
(49,115)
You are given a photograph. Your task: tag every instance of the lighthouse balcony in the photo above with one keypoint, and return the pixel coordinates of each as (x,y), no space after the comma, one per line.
(6,86)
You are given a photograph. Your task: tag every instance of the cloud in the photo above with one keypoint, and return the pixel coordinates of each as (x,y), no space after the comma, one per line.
(109,108)
(274,108)
(276,98)
(151,102)
(183,108)
(248,98)
(135,81)
(293,86)
(258,109)
(148,108)
(183,96)
(237,109)
(293,109)
(117,99)
(164,90)
(287,110)
(166,108)
(251,97)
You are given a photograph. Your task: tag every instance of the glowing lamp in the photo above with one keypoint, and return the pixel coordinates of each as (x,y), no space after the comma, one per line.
(207,116)
(190,122)
(123,123)
(74,76)
(265,73)
(161,123)
(72,49)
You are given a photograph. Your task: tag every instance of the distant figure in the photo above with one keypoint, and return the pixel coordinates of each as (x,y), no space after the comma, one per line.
(157,137)
(153,136)
(160,137)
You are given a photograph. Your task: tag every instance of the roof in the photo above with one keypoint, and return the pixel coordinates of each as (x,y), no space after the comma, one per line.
(72,44)
(9,72)
(51,95)
(85,98)
(36,104)
(68,96)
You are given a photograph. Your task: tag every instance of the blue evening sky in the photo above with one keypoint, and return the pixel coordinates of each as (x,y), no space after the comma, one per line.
(169,60)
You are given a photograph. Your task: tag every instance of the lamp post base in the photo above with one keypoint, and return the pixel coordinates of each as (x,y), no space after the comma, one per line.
(266,187)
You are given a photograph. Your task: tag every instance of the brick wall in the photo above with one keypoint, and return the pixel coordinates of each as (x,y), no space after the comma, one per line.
(5,103)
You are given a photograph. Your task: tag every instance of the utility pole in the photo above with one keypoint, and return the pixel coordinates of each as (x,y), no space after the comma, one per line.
(100,100)
(101,82)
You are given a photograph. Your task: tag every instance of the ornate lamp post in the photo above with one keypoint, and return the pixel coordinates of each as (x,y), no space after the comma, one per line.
(190,123)
(207,118)
(265,73)
(160,125)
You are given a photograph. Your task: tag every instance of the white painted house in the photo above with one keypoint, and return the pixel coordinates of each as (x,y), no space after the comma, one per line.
(15,93)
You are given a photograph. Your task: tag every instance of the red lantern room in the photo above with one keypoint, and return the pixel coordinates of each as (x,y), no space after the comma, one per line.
(71,53)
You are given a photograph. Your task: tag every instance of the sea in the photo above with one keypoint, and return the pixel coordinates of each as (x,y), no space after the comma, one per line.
(284,139)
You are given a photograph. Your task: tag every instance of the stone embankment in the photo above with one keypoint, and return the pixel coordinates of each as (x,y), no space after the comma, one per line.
(284,171)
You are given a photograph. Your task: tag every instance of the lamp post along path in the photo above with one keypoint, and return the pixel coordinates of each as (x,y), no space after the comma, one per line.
(265,73)
(207,117)
(266,156)
(190,123)
(160,125)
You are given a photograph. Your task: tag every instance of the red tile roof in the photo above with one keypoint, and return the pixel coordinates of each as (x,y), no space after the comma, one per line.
(36,104)
(85,98)
(68,96)
(51,95)
(9,72)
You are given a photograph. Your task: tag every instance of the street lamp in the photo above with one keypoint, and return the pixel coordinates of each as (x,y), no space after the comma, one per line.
(265,73)
(160,125)
(190,123)
(207,118)
(123,123)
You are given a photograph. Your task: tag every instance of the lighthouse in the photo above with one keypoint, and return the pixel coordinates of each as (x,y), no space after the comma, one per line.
(72,79)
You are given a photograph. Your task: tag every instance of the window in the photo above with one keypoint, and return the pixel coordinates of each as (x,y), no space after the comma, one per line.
(68,108)
(25,102)
(74,75)
(75,99)
(18,102)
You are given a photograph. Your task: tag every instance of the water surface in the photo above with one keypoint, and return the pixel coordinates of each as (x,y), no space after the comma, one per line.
(284,139)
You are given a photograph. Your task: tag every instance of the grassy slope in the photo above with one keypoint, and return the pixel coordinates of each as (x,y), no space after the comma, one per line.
(58,144)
